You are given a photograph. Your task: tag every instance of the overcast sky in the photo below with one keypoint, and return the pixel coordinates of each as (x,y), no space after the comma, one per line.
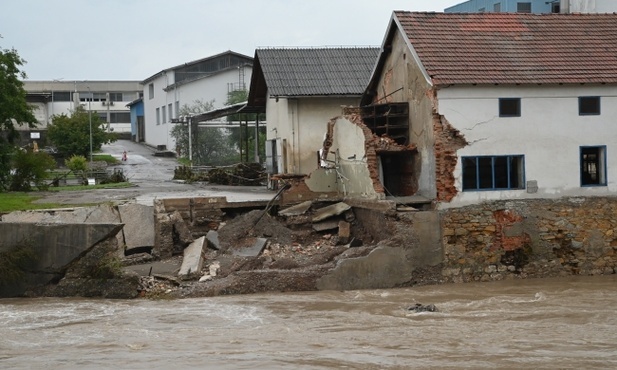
(134,39)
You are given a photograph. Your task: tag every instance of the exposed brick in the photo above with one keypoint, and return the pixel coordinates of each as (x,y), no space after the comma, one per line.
(448,141)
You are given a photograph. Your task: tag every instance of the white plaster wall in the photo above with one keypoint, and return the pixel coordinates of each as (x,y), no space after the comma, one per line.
(589,6)
(206,89)
(548,133)
(302,122)
(353,178)
(349,174)
(157,134)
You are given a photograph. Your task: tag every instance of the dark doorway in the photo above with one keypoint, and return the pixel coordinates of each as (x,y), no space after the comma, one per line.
(397,173)
(141,129)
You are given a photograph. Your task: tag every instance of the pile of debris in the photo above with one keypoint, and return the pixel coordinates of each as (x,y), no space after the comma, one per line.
(304,237)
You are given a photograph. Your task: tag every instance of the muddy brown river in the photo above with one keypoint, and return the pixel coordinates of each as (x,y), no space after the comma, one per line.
(566,323)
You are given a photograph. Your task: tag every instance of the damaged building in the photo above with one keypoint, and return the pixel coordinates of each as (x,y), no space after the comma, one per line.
(460,109)
(503,106)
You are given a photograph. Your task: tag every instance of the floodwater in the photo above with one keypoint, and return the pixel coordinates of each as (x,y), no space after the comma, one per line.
(566,323)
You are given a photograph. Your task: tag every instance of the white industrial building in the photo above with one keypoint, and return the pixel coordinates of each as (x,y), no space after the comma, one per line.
(209,79)
(107,99)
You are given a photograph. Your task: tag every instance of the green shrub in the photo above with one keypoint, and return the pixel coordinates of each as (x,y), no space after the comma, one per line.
(31,168)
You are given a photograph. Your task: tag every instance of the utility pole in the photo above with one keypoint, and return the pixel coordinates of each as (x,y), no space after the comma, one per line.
(90,120)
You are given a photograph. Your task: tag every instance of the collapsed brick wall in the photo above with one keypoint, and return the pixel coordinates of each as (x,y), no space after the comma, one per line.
(448,140)
(530,238)
(374,145)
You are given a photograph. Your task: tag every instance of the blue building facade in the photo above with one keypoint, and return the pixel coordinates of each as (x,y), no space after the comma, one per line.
(506,6)
(137,120)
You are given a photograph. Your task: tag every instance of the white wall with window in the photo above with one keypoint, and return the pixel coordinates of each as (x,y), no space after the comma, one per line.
(533,141)
(168,99)
(107,99)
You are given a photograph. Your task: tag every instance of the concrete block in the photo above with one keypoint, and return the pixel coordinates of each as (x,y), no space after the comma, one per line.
(212,239)
(193,260)
(181,229)
(330,211)
(208,203)
(138,225)
(253,251)
(56,245)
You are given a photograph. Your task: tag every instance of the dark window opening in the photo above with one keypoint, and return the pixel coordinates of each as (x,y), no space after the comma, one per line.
(509,107)
(61,96)
(589,105)
(523,7)
(388,119)
(593,166)
(556,8)
(493,172)
(397,173)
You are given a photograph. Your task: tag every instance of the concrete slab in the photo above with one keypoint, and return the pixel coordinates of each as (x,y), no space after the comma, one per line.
(383,268)
(169,267)
(193,260)
(56,246)
(297,210)
(212,239)
(138,225)
(325,225)
(253,251)
(330,211)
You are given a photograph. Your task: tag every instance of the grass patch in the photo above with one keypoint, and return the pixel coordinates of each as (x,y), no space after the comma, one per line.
(17,201)
(108,158)
(117,185)
(20,201)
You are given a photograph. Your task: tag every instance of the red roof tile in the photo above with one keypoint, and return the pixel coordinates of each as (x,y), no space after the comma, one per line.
(514,48)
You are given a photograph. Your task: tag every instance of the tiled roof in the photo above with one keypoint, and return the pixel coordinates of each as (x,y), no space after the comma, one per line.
(317,71)
(514,48)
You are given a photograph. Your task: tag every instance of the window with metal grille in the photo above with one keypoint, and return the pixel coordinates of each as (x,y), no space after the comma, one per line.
(503,172)
(523,7)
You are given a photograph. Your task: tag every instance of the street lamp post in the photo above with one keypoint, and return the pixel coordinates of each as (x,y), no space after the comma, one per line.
(90,121)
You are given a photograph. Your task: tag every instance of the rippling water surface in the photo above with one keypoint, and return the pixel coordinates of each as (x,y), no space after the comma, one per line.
(568,323)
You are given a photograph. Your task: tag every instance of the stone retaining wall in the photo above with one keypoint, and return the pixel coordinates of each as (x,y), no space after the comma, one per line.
(530,238)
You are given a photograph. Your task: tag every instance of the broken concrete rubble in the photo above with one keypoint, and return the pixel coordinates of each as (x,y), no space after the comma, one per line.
(249,244)
(326,225)
(193,259)
(212,239)
(330,211)
(296,210)
(138,225)
(252,251)
(344,232)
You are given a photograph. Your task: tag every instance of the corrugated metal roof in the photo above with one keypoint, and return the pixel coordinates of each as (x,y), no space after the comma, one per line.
(317,71)
(514,48)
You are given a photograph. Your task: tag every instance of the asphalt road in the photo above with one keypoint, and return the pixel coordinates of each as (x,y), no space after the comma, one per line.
(153,179)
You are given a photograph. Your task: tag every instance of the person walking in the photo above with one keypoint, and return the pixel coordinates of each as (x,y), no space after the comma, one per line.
(124,157)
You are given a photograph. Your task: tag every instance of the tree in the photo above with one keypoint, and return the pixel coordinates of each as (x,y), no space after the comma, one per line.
(210,144)
(71,135)
(14,110)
